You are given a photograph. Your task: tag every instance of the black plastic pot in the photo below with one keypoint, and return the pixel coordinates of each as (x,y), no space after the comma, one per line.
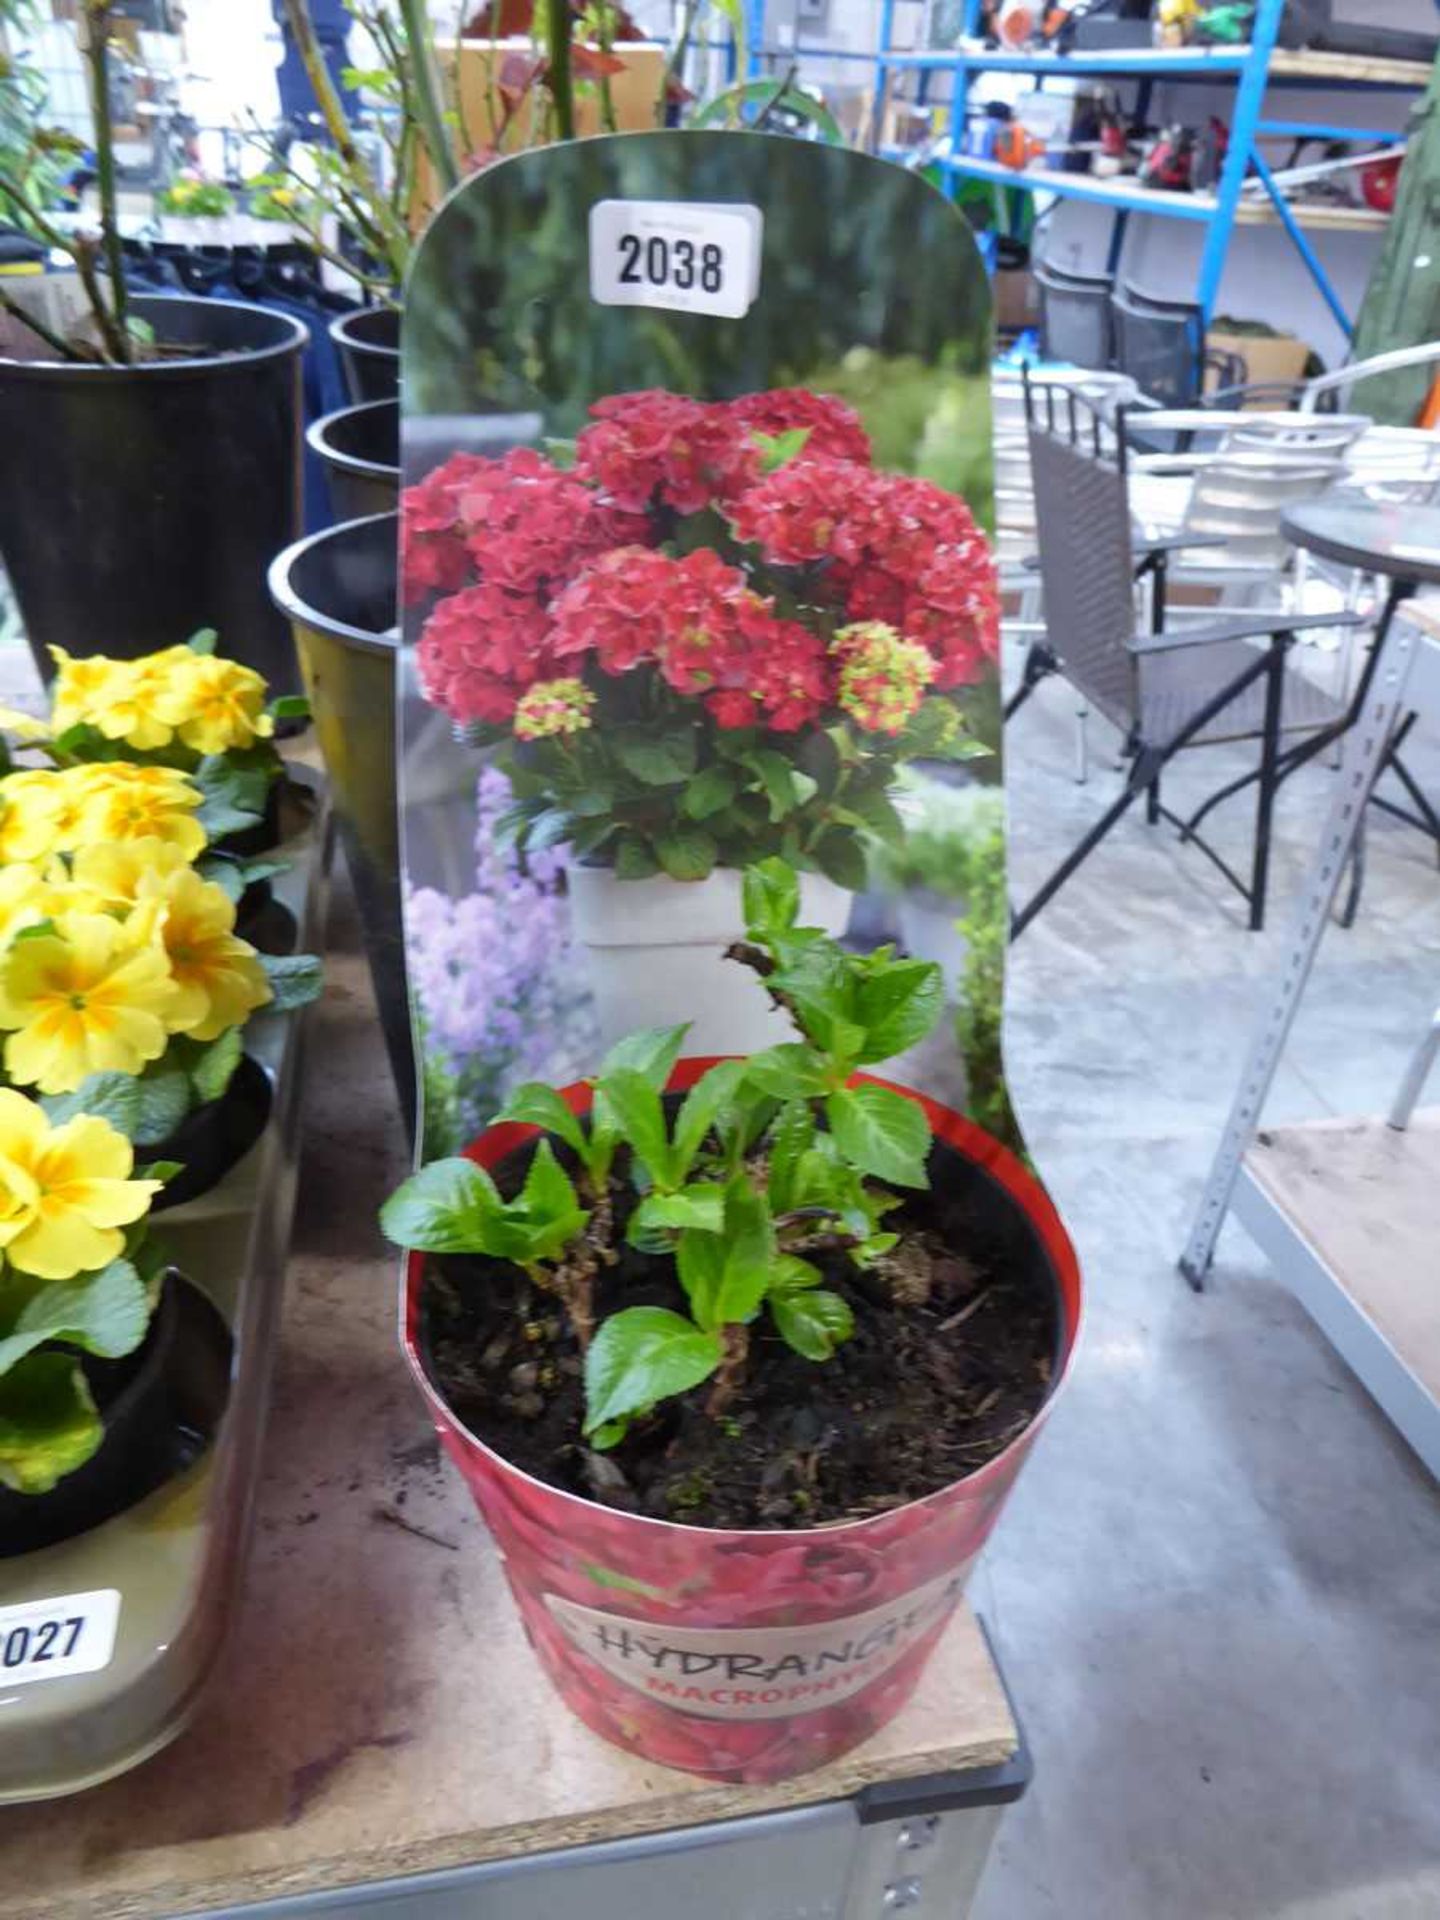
(142,503)
(161,1406)
(360,447)
(214,1138)
(339,590)
(368,343)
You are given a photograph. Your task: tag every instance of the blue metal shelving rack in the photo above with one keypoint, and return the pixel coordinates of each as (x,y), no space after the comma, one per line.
(1252,70)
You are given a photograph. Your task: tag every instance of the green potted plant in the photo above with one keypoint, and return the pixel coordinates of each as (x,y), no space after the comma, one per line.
(740,1359)
(953,835)
(124,983)
(79,1282)
(704,633)
(149,445)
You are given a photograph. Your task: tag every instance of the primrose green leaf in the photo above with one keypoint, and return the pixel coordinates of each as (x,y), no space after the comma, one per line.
(289,706)
(216,1067)
(105,1313)
(897,1006)
(112,1096)
(640,1356)
(295,980)
(223,873)
(204,640)
(536,1105)
(813,1323)
(233,797)
(162,1170)
(880,1132)
(48,1422)
(447,1207)
(771,895)
(164,1096)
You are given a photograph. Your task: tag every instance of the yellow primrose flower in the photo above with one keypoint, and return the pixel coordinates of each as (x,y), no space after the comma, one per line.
(84,999)
(134,704)
(65,1192)
(27,896)
(123,802)
(31,809)
(117,874)
(80,688)
(216,704)
(219,977)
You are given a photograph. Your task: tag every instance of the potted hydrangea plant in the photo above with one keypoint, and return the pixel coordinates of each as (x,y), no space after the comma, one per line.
(707,633)
(740,1359)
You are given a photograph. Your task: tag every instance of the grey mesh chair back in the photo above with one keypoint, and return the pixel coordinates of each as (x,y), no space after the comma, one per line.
(1161,345)
(1076,323)
(1082,517)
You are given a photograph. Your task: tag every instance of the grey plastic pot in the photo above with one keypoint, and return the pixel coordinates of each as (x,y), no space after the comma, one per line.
(368,342)
(337,589)
(143,503)
(360,448)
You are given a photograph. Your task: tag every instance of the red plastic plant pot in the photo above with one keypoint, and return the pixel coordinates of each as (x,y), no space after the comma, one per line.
(745,1655)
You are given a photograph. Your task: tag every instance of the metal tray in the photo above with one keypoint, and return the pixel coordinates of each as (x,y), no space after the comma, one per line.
(174,1559)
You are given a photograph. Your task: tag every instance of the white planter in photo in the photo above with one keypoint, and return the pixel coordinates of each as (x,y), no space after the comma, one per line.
(929,931)
(655,951)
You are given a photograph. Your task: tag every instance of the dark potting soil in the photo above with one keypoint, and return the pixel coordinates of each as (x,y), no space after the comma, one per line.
(919,1397)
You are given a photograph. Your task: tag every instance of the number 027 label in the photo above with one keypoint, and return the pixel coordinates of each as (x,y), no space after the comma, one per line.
(687,256)
(50,1639)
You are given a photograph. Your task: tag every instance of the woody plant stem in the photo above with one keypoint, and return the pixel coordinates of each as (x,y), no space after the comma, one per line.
(427,94)
(112,318)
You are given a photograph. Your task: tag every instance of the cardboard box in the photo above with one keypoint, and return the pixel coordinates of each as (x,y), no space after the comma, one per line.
(1017,302)
(1268,359)
(635,91)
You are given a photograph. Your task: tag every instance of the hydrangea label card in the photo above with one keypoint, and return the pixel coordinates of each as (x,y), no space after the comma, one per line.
(686,257)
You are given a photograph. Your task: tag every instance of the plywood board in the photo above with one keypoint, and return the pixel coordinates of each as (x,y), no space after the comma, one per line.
(380,1712)
(1367,1200)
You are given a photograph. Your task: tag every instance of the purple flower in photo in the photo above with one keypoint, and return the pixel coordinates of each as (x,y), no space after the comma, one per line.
(496,980)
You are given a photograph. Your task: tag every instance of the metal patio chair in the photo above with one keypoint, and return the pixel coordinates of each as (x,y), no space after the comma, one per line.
(1161,345)
(1165,689)
(1076,321)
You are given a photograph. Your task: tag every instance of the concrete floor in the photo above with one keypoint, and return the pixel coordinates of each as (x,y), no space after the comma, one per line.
(1216,1594)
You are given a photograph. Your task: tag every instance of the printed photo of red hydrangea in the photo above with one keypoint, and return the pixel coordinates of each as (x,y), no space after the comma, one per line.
(688,588)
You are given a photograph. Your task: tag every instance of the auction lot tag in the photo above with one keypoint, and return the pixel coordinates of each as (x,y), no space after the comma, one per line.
(51,1639)
(687,256)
